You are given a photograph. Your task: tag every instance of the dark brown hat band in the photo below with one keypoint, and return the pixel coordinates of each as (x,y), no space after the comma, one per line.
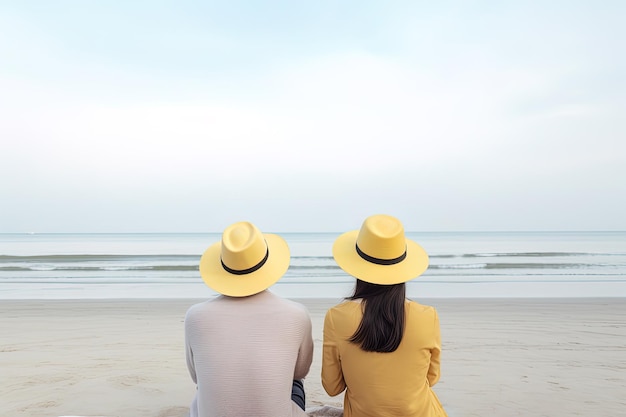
(249,270)
(380,261)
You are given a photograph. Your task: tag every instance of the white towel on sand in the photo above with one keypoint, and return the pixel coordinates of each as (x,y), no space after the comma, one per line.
(324,411)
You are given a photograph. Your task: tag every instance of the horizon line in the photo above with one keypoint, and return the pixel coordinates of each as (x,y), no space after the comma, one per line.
(320,232)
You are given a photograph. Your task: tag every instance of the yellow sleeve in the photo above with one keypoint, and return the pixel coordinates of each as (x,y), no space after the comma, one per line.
(435,354)
(332,375)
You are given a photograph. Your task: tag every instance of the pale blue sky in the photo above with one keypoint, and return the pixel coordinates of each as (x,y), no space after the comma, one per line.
(308,116)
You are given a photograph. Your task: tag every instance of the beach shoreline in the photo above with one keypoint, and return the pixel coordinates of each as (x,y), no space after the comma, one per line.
(501,357)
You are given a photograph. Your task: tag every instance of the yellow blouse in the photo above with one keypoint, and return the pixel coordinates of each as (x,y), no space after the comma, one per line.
(383,384)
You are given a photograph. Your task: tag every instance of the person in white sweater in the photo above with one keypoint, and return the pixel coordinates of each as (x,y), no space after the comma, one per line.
(248,350)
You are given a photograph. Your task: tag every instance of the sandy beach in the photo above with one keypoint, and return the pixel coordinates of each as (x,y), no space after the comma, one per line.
(501,357)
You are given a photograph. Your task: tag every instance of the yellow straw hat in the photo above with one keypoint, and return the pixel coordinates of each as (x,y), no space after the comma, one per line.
(245,262)
(379,253)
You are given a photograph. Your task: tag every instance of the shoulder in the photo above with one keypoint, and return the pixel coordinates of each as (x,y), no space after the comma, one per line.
(422,308)
(343,310)
(346,305)
(199,309)
(288,306)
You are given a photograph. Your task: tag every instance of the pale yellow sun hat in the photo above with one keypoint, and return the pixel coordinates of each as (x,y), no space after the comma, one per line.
(380,253)
(245,262)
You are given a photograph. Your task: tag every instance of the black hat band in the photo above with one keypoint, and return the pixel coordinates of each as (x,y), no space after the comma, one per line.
(379,261)
(249,270)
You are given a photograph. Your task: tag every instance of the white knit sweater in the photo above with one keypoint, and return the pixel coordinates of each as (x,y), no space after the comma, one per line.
(244,353)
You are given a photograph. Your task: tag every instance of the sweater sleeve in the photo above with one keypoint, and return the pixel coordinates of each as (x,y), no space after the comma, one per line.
(305,354)
(188,351)
(435,353)
(332,374)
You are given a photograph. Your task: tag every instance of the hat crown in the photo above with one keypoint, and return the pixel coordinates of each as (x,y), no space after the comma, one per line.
(243,246)
(382,237)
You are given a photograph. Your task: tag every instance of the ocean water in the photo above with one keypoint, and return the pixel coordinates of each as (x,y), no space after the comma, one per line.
(477,264)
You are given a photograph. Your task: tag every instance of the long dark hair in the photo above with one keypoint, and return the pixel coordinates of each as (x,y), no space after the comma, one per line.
(382,325)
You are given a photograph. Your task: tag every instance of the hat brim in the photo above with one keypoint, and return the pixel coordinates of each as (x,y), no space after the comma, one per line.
(346,256)
(218,279)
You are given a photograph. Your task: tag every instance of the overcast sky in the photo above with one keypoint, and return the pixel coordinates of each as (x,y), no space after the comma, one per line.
(186,116)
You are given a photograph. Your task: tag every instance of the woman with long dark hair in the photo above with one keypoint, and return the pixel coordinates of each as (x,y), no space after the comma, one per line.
(379,347)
